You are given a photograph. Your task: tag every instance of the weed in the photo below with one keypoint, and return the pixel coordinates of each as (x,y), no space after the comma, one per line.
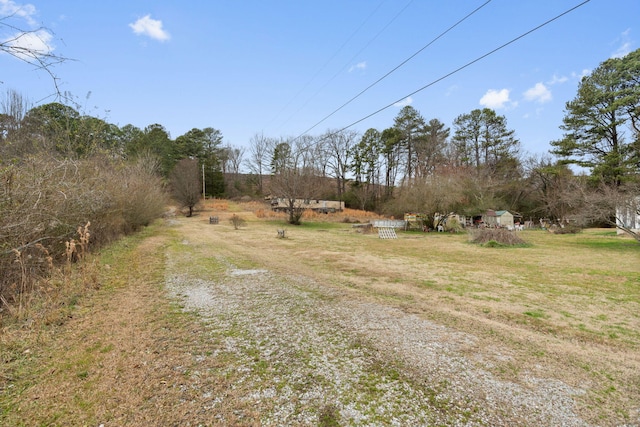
(237,221)
(536,314)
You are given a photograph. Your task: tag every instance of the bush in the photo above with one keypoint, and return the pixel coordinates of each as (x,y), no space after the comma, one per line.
(237,221)
(453,225)
(494,237)
(44,201)
(566,229)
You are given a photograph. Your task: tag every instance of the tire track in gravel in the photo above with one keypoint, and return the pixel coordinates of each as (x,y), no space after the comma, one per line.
(307,350)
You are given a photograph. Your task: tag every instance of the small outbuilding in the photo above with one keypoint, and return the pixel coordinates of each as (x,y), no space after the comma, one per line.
(498,219)
(628,216)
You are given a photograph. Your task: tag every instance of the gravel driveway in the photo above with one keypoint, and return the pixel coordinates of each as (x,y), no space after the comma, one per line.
(314,356)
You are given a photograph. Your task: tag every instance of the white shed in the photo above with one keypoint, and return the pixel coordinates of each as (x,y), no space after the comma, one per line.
(628,216)
(498,219)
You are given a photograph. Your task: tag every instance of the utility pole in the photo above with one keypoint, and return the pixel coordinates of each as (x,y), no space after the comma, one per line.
(204,194)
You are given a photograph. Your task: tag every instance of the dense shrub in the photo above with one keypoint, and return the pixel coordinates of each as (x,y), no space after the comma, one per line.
(494,237)
(44,202)
(565,229)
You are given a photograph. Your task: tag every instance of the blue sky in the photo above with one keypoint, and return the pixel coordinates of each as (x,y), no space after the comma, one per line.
(280,67)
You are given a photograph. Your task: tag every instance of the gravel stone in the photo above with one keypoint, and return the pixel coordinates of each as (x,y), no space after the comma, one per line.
(307,348)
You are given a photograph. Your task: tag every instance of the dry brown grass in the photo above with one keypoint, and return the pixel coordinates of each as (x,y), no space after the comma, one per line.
(121,356)
(553,305)
(262,210)
(495,237)
(217,205)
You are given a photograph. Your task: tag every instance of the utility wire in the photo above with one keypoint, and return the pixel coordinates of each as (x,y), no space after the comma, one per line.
(397,67)
(347,64)
(327,62)
(462,67)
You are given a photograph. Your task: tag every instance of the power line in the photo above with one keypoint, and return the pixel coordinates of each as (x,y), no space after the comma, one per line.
(462,67)
(449,74)
(347,64)
(397,67)
(328,61)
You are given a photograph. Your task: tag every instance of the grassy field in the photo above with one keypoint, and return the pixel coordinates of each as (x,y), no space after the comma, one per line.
(569,303)
(561,306)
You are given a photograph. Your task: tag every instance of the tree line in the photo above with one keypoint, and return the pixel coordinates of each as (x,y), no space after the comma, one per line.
(68,180)
(422,165)
(61,169)
(416,164)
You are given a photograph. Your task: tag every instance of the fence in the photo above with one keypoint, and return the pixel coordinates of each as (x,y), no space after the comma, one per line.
(389,223)
(387,233)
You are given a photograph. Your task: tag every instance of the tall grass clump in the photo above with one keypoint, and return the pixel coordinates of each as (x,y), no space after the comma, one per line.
(47,204)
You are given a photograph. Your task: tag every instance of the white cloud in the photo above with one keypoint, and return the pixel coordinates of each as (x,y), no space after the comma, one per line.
(557,79)
(581,74)
(538,93)
(9,8)
(622,51)
(625,46)
(26,45)
(30,45)
(451,90)
(407,101)
(495,98)
(359,66)
(150,27)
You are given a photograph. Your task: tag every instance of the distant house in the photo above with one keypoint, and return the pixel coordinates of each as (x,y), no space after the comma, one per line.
(280,204)
(628,217)
(498,219)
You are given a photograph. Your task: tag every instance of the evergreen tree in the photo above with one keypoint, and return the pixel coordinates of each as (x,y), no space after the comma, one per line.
(602,123)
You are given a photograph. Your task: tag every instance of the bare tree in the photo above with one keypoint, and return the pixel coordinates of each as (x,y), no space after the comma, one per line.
(617,207)
(233,158)
(338,146)
(258,161)
(296,177)
(555,189)
(185,184)
(33,45)
(439,193)
(13,109)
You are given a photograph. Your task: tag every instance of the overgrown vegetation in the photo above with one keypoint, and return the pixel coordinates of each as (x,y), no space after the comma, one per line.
(185,184)
(494,237)
(237,221)
(44,201)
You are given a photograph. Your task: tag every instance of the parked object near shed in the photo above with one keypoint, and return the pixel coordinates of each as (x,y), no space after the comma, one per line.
(415,220)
